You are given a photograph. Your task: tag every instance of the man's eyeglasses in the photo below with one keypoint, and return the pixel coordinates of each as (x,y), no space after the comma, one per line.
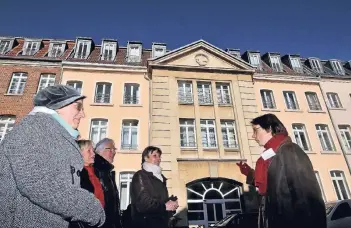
(111,149)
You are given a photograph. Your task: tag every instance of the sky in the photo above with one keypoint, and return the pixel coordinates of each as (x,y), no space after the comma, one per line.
(311,28)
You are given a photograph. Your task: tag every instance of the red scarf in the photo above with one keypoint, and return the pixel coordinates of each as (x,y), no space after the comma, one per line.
(98,192)
(262,165)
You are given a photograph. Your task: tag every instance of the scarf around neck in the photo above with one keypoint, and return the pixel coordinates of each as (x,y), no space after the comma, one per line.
(154,169)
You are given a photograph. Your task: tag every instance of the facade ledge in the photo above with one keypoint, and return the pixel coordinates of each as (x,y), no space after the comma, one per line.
(99,104)
(293,110)
(340,109)
(211,159)
(206,104)
(270,110)
(330,152)
(185,103)
(225,105)
(210,149)
(188,148)
(231,149)
(129,152)
(310,152)
(316,111)
(10,94)
(131,105)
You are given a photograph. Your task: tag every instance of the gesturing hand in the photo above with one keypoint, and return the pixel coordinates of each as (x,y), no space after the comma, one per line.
(172,205)
(244,168)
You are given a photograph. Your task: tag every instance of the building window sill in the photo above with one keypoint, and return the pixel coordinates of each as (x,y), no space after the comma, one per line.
(215,149)
(309,152)
(270,109)
(329,152)
(183,103)
(316,111)
(102,104)
(134,151)
(293,110)
(14,94)
(340,109)
(225,105)
(206,104)
(131,105)
(188,149)
(231,149)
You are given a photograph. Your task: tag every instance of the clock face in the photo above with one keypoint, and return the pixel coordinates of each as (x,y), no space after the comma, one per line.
(201,59)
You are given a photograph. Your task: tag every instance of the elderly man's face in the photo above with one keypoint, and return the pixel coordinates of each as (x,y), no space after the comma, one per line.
(109,152)
(72,113)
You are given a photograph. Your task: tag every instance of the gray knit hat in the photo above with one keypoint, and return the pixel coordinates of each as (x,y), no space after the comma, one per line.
(57,96)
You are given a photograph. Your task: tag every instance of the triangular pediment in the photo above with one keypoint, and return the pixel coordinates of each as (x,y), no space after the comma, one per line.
(202,55)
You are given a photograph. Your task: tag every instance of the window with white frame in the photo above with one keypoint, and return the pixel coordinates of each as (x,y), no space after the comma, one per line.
(129,134)
(76,84)
(56,50)
(103,92)
(185,92)
(275,63)
(208,133)
(334,100)
(290,100)
(313,101)
(204,93)
(267,99)
(255,59)
(98,130)
(187,133)
(6,125)
(320,184)
(316,65)
(82,49)
(18,82)
(340,185)
(4,46)
(134,53)
(125,181)
(345,133)
(229,135)
(301,137)
(131,93)
(30,47)
(296,64)
(46,80)
(223,93)
(337,67)
(108,51)
(325,137)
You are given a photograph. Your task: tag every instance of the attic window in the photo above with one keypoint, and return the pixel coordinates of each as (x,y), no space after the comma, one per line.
(275,63)
(82,49)
(134,53)
(56,49)
(5,45)
(108,51)
(30,47)
(234,52)
(316,65)
(296,64)
(337,67)
(255,59)
(158,50)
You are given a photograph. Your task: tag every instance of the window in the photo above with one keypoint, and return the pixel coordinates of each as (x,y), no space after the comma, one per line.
(334,100)
(125,180)
(320,184)
(255,59)
(275,63)
(223,93)
(313,102)
(4,46)
(56,50)
(204,93)
(346,136)
(340,185)
(134,53)
(185,92)
(31,47)
(131,93)
(158,50)
(325,137)
(316,65)
(46,80)
(301,137)
(103,92)
(98,130)
(296,64)
(187,133)
(337,67)
(234,52)
(109,51)
(268,99)
(130,134)
(290,100)
(229,134)
(6,125)
(82,49)
(76,84)
(18,83)
(208,133)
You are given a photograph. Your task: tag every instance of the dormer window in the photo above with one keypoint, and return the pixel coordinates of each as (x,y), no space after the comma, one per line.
(337,67)
(275,63)
(30,47)
(234,52)
(5,45)
(134,52)
(108,50)
(255,59)
(296,64)
(158,50)
(316,65)
(56,49)
(82,49)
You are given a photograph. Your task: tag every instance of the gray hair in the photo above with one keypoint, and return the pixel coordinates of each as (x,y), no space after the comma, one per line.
(100,146)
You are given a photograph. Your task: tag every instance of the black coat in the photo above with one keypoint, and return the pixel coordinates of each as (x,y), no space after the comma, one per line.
(149,196)
(294,197)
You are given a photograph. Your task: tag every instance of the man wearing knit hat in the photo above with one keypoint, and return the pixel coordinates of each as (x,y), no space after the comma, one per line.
(40,163)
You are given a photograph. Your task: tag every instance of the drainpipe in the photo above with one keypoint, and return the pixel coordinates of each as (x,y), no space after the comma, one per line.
(149,121)
(336,131)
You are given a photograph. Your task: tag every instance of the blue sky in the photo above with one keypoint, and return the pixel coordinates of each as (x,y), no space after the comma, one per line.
(319,28)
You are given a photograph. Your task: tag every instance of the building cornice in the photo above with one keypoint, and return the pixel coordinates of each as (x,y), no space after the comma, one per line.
(287,78)
(26,62)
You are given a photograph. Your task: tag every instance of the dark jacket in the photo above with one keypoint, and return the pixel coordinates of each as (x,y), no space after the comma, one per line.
(294,197)
(149,196)
(104,171)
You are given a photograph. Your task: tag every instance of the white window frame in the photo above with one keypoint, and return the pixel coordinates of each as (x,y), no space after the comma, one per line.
(134,58)
(337,67)
(56,49)
(110,47)
(276,63)
(8,123)
(46,80)
(187,124)
(183,96)
(255,59)
(265,93)
(228,125)
(28,47)
(128,181)
(336,184)
(291,100)
(98,123)
(222,97)
(203,97)
(323,129)
(82,43)
(313,101)
(334,101)
(22,79)
(74,84)
(105,99)
(6,47)
(320,184)
(345,132)
(130,125)
(299,129)
(296,64)
(316,65)
(134,96)
(207,126)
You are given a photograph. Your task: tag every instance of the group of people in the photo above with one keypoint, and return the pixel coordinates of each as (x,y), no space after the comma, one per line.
(52,178)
